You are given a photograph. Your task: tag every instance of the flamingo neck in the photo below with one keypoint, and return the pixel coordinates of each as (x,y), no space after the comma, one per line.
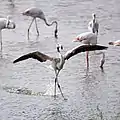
(1,41)
(94,19)
(49,24)
(0,36)
(62,61)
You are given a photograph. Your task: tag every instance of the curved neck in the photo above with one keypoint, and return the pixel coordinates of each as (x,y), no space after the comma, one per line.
(1,42)
(49,24)
(94,19)
(62,60)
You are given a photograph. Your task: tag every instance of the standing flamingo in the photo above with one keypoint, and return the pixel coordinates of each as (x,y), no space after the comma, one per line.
(38,13)
(93,25)
(89,38)
(5,23)
(58,63)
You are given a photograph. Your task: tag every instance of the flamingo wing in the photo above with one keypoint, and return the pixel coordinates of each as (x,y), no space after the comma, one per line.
(35,55)
(83,48)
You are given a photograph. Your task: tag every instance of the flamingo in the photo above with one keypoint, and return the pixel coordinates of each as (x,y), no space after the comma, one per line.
(89,38)
(115,43)
(38,13)
(58,63)
(5,23)
(93,25)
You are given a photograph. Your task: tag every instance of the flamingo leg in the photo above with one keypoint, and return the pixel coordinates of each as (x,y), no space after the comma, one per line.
(103,58)
(87,58)
(56,73)
(60,90)
(56,81)
(55,88)
(36,27)
(30,27)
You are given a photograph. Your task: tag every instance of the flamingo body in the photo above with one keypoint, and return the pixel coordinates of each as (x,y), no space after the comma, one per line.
(34,12)
(87,38)
(5,23)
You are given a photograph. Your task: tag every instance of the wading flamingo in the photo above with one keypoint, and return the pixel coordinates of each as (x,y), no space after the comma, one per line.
(58,63)
(38,13)
(89,38)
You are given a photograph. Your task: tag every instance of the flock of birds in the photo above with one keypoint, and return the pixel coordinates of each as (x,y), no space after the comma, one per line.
(89,40)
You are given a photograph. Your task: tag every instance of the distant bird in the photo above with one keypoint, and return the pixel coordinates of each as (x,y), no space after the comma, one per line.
(115,43)
(58,63)
(93,25)
(38,13)
(5,23)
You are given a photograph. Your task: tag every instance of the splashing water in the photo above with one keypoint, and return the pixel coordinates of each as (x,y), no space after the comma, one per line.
(50,90)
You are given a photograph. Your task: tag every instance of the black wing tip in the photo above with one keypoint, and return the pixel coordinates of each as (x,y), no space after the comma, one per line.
(102,47)
(97,47)
(15,61)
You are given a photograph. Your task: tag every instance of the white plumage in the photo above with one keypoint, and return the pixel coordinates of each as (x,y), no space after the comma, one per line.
(86,38)
(93,25)
(5,23)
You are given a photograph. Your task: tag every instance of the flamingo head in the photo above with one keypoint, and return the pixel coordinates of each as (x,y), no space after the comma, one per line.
(94,15)
(59,47)
(9,23)
(77,39)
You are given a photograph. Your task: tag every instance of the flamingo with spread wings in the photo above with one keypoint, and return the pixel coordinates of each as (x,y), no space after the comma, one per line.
(58,63)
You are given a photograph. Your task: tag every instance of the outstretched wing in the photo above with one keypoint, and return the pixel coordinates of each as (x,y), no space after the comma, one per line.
(83,48)
(35,55)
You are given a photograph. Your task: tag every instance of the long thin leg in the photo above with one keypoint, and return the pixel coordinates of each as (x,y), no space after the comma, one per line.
(60,89)
(36,27)
(1,48)
(87,58)
(102,60)
(56,81)
(30,27)
(55,88)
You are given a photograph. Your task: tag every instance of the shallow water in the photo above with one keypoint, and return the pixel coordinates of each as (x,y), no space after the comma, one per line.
(93,95)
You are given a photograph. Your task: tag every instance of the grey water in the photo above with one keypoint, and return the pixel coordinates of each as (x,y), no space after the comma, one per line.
(26,88)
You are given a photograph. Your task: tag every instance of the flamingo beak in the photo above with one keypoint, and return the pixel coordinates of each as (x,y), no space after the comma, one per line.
(23,13)
(14,26)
